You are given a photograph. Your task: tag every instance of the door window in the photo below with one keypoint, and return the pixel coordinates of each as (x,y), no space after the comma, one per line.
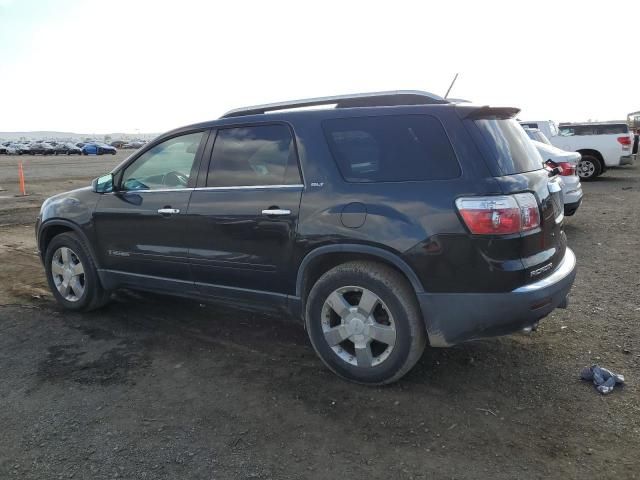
(168,165)
(253,156)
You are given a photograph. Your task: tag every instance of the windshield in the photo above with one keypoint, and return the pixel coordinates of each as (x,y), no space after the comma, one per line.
(509,146)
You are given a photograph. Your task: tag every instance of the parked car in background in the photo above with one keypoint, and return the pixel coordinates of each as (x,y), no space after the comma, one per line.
(42,148)
(98,149)
(601,145)
(118,143)
(537,135)
(133,145)
(567,164)
(415,223)
(67,149)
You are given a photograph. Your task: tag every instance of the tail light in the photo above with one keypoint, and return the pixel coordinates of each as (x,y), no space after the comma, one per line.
(567,169)
(500,214)
(625,142)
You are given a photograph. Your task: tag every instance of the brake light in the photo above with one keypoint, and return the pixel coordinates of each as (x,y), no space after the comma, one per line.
(567,169)
(625,142)
(500,214)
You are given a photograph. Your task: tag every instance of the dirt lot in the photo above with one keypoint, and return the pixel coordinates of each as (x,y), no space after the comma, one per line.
(155,387)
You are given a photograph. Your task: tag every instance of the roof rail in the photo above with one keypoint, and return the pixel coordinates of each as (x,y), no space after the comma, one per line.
(372,99)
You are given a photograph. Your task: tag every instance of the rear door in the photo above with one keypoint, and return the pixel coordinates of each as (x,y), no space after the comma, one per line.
(244,215)
(141,228)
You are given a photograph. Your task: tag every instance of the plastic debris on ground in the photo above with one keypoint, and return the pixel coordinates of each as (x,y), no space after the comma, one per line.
(603,379)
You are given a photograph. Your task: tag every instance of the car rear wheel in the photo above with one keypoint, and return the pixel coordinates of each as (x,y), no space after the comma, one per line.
(589,168)
(364,322)
(72,275)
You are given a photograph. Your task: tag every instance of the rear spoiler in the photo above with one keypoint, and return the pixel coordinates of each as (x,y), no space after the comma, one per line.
(475,112)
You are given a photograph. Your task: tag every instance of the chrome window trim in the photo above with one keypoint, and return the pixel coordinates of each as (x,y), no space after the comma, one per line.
(297,186)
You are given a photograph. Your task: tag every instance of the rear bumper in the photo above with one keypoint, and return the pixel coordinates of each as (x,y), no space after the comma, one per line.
(626,160)
(571,208)
(453,318)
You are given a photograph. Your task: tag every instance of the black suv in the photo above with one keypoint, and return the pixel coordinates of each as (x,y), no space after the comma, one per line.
(385,222)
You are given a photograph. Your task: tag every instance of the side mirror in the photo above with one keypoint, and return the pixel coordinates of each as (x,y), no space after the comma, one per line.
(103,184)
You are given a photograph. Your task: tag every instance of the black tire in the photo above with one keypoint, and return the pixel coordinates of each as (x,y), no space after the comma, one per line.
(399,299)
(94,296)
(589,168)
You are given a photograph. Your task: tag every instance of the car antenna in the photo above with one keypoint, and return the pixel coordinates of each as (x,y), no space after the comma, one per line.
(451,86)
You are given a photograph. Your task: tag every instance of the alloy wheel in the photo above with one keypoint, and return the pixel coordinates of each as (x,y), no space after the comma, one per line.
(586,169)
(358,326)
(68,274)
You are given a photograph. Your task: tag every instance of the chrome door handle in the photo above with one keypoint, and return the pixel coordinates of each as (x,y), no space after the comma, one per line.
(168,211)
(276,211)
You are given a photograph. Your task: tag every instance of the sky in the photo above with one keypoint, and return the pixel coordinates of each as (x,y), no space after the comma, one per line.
(150,66)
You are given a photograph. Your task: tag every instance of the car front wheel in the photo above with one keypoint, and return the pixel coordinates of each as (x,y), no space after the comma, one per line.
(72,275)
(364,322)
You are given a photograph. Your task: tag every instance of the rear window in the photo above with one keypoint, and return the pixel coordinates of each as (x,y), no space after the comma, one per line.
(537,135)
(391,148)
(509,146)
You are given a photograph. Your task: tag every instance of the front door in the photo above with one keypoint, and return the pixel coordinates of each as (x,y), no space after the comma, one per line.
(140,227)
(244,218)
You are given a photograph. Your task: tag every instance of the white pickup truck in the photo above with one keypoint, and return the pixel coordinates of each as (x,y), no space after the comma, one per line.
(601,145)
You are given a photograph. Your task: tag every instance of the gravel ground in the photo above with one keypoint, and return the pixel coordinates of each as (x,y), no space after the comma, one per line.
(157,387)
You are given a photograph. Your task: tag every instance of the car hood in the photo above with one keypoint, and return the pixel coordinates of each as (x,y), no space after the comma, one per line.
(549,152)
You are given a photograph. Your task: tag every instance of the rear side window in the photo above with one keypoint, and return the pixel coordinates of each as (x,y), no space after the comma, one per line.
(391,148)
(253,156)
(612,129)
(601,129)
(509,146)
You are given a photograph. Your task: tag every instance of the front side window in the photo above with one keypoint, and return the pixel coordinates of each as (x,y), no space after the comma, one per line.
(253,156)
(168,165)
(391,148)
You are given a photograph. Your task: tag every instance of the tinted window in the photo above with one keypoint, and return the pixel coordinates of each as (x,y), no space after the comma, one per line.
(612,129)
(250,156)
(167,165)
(509,146)
(391,148)
(596,129)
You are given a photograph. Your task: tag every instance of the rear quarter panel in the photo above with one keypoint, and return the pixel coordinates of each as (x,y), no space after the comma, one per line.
(415,220)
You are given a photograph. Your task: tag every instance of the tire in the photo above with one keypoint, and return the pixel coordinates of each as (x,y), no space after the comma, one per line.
(396,309)
(88,292)
(589,168)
